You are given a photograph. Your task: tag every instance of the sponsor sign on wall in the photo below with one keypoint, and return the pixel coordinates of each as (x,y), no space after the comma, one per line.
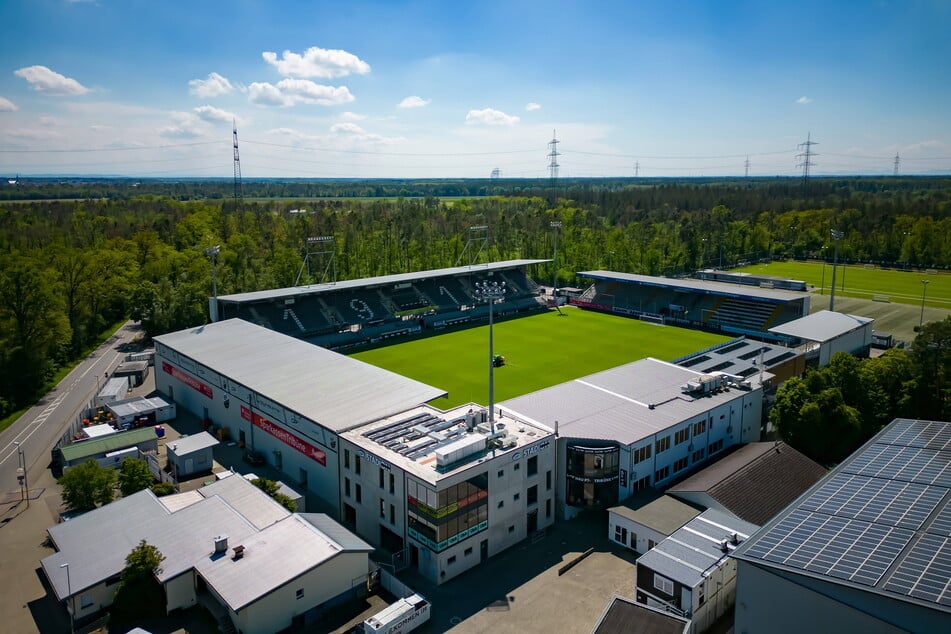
(286,437)
(530,451)
(209,375)
(271,409)
(187,379)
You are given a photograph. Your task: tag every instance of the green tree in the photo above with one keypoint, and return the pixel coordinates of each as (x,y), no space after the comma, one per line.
(163,488)
(134,476)
(272,489)
(87,486)
(931,351)
(139,596)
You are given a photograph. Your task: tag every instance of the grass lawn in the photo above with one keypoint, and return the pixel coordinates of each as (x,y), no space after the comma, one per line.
(856,281)
(540,351)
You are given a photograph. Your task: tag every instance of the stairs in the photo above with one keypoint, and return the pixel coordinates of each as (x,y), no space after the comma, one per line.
(220,614)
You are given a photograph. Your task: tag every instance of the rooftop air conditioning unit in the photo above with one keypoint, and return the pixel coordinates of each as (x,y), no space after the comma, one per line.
(725,545)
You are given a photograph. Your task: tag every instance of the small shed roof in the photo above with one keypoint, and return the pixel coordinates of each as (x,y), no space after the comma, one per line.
(623,616)
(186,445)
(663,514)
(106,444)
(821,326)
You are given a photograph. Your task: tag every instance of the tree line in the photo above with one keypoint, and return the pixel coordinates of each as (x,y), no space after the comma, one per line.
(70,268)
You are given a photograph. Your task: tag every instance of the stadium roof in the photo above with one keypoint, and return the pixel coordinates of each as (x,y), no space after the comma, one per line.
(625,404)
(698,286)
(326,387)
(399,278)
(756,481)
(879,522)
(821,326)
(693,550)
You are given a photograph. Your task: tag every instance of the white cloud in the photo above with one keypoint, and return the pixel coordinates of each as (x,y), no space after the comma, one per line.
(414,102)
(50,82)
(352,116)
(214,115)
(287,92)
(33,134)
(531,105)
(349,128)
(488,116)
(212,87)
(317,62)
(7,106)
(186,126)
(803,100)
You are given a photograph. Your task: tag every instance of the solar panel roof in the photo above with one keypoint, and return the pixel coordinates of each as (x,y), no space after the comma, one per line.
(880,521)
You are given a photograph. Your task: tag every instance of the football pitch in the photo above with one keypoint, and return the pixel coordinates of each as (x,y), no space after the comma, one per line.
(887,285)
(540,351)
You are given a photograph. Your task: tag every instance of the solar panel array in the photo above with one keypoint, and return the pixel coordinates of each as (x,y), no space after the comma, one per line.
(880,520)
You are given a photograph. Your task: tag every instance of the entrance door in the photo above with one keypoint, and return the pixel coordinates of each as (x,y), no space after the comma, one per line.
(414,555)
(532,521)
(484,550)
(349,516)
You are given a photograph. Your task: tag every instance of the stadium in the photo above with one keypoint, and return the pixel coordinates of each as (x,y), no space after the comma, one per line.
(441,484)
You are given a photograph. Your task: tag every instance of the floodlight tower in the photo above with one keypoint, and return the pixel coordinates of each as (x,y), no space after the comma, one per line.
(237,166)
(836,236)
(556,225)
(213,307)
(490,292)
(924,289)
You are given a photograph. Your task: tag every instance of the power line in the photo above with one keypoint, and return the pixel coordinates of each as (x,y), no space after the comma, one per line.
(327,149)
(109,149)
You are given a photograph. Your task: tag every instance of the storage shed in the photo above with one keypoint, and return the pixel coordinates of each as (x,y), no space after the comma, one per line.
(115,389)
(138,370)
(142,412)
(98,449)
(190,455)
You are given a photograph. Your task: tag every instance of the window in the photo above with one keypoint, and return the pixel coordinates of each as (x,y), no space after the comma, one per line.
(346,487)
(650,544)
(699,428)
(643,483)
(661,445)
(664,585)
(468,551)
(451,560)
(382,478)
(634,541)
(698,455)
(660,474)
(357,469)
(346,458)
(382,508)
(532,495)
(501,503)
(700,597)
(512,529)
(518,465)
(84,601)
(300,593)
(715,447)
(359,495)
(548,480)
(501,472)
(644,453)
(620,534)
(392,514)
(392,483)
(681,464)
(533,466)
(547,508)
(681,435)
(517,496)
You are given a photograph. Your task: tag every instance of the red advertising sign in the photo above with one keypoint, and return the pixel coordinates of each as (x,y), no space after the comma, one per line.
(187,379)
(285,436)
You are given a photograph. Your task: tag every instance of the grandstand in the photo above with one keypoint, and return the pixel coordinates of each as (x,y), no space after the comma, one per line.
(351,312)
(728,308)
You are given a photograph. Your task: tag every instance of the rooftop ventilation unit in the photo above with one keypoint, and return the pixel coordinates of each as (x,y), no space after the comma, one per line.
(725,545)
(238,552)
(221,544)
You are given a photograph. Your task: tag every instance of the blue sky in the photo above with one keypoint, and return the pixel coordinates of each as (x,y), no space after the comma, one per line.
(452,89)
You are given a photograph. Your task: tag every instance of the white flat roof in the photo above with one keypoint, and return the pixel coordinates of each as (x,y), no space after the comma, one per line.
(189,444)
(821,326)
(326,387)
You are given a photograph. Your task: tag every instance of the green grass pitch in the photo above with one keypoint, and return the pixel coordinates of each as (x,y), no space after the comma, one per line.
(902,287)
(540,351)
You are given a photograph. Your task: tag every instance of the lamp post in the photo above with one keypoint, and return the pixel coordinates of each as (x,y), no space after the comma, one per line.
(213,253)
(556,225)
(924,289)
(836,236)
(22,478)
(490,292)
(97,384)
(822,287)
(69,596)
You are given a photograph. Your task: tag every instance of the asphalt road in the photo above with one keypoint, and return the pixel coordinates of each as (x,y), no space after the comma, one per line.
(41,427)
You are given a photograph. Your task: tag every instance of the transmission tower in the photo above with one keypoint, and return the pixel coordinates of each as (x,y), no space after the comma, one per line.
(237,167)
(746,168)
(806,156)
(897,163)
(637,169)
(553,166)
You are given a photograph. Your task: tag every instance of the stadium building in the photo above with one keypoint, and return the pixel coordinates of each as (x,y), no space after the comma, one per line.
(636,426)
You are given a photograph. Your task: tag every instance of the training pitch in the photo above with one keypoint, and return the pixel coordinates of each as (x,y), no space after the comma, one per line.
(540,351)
(855,280)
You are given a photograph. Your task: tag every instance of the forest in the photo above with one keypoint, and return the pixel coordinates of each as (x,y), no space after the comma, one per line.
(77,256)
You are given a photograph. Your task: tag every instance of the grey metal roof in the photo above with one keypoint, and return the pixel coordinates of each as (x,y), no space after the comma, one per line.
(398,278)
(701,286)
(185,445)
(136,405)
(693,551)
(274,556)
(664,514)
(821,326)
(739,357)
(624,616)
(329,388)
(326,525)
(106,444)
(253,503)
(880,522)
(616,404)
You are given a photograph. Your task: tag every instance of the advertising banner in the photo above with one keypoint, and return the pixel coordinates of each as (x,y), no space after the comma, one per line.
(286,437)
(187,379)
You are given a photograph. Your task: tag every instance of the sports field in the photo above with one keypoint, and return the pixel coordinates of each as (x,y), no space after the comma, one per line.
(540,351)
(888,285)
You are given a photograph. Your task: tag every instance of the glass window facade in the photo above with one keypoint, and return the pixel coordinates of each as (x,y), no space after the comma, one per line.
(592,474)
(440,520)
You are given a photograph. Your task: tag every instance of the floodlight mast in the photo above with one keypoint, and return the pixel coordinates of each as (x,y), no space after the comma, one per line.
(213,307)
(490,292)
(836,236)
(556,225)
